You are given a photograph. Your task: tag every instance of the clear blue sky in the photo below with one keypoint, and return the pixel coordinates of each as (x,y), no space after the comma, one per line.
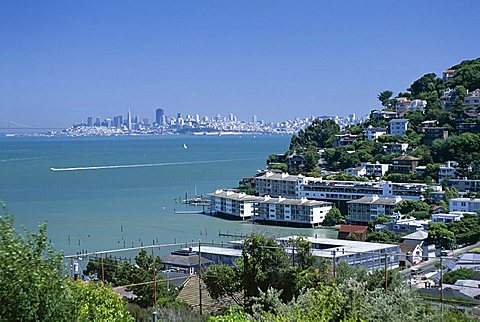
(61,61)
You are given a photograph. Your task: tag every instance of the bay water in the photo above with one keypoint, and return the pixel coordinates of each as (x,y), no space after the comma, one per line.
(98,193)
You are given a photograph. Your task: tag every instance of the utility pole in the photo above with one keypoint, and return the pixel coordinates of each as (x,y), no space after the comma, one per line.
(200,275)
(441,286)
(103,273)
(154,282)
(386,269)
(334,265)
(244,254)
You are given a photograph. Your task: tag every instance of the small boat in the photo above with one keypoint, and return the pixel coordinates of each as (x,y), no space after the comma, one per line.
(185,146)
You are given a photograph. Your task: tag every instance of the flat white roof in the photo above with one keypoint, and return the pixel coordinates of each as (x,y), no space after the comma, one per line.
(233,252)
(342,247)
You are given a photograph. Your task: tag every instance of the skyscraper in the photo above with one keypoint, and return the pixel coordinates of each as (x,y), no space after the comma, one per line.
(129,120)
(117,121)
(254,119)
(159,116)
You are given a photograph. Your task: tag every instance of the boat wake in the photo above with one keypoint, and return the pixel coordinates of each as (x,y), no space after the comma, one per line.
(145,165)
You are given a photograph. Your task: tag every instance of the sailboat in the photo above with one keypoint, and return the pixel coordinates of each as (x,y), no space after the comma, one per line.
(185,146)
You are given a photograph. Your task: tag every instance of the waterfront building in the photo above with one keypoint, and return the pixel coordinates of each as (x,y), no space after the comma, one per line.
(355,253)
(233,204)
(399,126)
(291,212)
(464,205)
(464,185)
(276,185)
(90,121)
(220,255)
(186,261)
(367,209)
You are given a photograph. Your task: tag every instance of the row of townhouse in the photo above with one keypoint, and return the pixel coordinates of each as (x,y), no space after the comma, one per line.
(359,254)
(282,211)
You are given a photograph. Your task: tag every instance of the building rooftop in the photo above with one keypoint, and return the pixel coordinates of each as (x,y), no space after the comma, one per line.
(184,258)
(293,202)
(406,157)
(278,176)
(418,235)
(465,199)
(233,195)
(225,251)
(340,246)
(375,200)
(352,229)
(399,121)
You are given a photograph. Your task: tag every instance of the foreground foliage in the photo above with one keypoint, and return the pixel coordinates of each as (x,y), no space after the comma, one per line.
(32,287)
(275,285)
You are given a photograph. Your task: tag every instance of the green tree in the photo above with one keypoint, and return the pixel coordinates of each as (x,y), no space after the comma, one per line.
(334,217)
(385,98)
(467,230)
(425,84)
(315,135)
(33,287)
(384,237)
(225,281)
(459,274)
(439,235)
(409,206)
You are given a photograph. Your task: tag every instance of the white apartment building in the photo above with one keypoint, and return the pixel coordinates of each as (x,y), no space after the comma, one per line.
(332,190)
(398,126)
(276,185)
(464,205)
(294,212)
(233,204)
(366,209)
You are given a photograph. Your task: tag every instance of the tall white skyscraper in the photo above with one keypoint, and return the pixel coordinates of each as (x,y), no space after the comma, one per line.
(254,119)
(129,120)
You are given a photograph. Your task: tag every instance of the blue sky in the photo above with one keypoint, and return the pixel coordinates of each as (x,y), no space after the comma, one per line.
(62,61)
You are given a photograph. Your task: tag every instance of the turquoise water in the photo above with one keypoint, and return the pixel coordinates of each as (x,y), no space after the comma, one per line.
(105,205)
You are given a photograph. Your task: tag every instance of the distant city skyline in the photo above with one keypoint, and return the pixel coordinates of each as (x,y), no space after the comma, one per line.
(276,60)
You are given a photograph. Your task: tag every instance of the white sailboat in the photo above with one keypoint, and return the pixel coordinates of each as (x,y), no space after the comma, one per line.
(185,146)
